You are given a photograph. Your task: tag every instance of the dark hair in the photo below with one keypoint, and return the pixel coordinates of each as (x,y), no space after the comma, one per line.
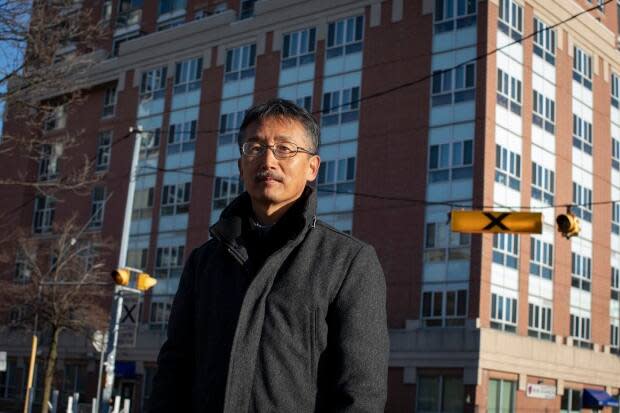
(283,109)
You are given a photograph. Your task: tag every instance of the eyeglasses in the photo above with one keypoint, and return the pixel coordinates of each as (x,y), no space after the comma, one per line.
(283,150)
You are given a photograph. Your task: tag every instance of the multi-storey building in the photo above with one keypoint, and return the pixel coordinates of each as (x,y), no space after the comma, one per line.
(426,106)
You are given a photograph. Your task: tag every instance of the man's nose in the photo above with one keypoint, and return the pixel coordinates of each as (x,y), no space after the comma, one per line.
(269,159)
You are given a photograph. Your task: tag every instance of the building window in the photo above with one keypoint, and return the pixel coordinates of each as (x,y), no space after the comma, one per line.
(582,202)
(109,102)
(454,85)
(614,337)
(345,36)
(43,219)
(539,321)
(615,154)
(55,119)
(341,106)
(160,313)
(47,168)
(153,84)
(615,218)
(9,381)
(503,313)
(544,41)
(582,134)
(74,380)
(444,308)
(298,48)
(229,127)
(304,102)
(507,168)
(446,17)
(137,258)
(615,283)
(580,331)
(543,114)
(543,184)
(441,244)
(175,199)
(104,150)
(97,207)
(336,176)
(169,262)
(506,250)
(510,20)
(571,401)
(23,267)
(225,190)
(581,269)
(582,67)
(246,9)
(450,161)
(187,75)
(502,396)
(615,90)
(240,63)
(143,204)
(182,137)
(509,92)
(440,393)
(150,143)
(541,258)
(171,6)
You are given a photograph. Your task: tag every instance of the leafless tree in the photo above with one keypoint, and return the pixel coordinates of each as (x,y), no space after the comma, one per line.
(59,286)
(47,47)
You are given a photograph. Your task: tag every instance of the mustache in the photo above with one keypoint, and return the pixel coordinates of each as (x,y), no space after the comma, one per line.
(264,175)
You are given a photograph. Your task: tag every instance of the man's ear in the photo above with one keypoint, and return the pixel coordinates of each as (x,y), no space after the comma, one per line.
(314,164)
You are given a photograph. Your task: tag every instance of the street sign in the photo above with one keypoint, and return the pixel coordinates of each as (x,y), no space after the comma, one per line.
(2,360)
(130,317)
(496,221)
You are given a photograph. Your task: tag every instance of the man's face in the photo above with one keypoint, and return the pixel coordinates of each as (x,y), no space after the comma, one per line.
(275,183)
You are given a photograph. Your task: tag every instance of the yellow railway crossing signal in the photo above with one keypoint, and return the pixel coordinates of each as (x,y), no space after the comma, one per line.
(496,221)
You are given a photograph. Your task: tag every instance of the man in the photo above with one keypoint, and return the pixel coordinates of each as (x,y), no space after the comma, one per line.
(278,312)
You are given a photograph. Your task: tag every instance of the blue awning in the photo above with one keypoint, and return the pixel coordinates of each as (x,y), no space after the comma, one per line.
(597,399)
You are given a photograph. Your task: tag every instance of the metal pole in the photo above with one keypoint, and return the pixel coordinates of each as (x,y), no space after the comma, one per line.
(101,362)
(33,356)
(117,304)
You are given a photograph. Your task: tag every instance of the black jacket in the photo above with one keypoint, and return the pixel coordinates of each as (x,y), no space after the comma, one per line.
(294,323)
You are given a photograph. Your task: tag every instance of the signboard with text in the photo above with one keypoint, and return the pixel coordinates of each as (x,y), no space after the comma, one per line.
(541,391)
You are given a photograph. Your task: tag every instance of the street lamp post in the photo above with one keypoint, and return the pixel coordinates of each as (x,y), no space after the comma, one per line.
(117,303)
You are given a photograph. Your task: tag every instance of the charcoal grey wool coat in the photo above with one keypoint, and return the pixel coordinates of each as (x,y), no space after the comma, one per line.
(303,330)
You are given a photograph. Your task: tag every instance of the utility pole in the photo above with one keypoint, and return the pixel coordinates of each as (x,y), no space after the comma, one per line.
(117,303)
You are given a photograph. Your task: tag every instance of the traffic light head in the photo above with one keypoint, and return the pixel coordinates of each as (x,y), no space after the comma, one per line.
(121,276)
(145,281)
(568,225)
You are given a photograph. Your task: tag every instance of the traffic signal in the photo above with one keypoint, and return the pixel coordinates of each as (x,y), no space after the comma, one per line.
(145,281)
(121,276)
(568,224)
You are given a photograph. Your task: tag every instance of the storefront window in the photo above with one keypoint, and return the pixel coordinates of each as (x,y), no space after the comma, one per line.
(440,393)
(571,401)
(501,396)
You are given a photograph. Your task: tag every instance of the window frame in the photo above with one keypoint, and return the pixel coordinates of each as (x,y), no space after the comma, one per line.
(153,83)
(97,207)
(543,112)
(109,102)
(582,202)
(440,317)
(509,92)
(182,137)
(544,41)
(229,135)
(240,63)
(581,331)
(104,150)
(581,272)
(506,250)
(446,17)
(453,85)
(187,75)
(582,67)
(225,189)
(541,258)
(173,204)
(43,216)
(504,313)
(507,168)
(345,110)
(336,176)
(543,184)
(540,320)
(582,134)
(303,52)
(510,19)
(451,171)
(351,30)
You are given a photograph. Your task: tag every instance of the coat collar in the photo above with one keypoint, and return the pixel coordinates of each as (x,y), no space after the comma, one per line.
(229,228)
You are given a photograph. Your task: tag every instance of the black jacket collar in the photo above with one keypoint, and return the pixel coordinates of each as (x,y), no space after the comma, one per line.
(229,228)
